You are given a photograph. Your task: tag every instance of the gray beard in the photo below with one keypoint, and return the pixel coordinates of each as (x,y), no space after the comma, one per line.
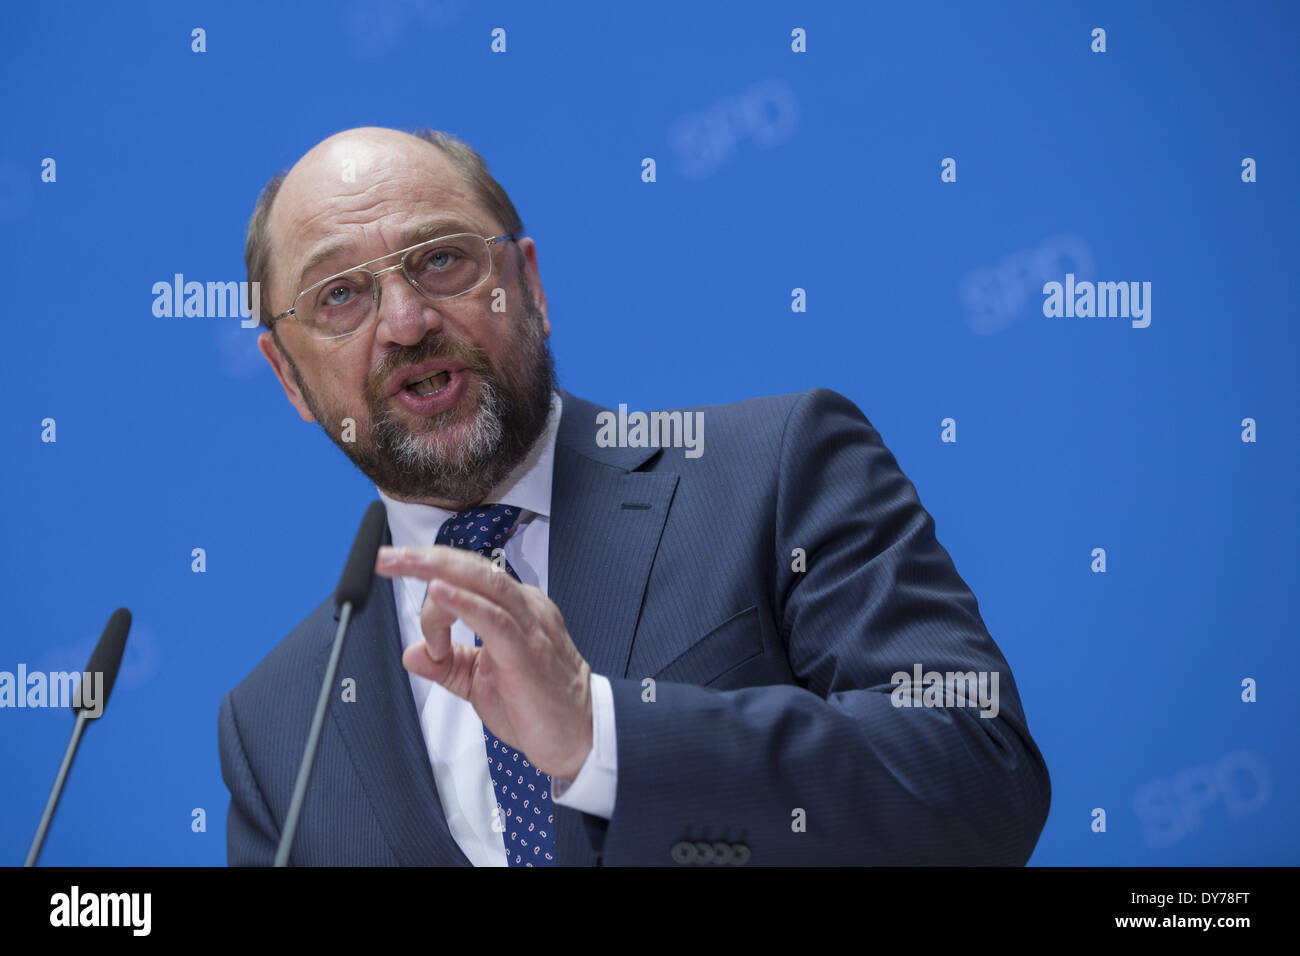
(415,469)
(408,453)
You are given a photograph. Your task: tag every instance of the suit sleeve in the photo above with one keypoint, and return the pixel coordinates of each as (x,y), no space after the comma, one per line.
(874,783)
(251,833)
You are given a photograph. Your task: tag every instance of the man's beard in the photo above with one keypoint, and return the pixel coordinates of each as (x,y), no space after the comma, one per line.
(511,414)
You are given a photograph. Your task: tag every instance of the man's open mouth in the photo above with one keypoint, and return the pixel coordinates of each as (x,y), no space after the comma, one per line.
(429,384)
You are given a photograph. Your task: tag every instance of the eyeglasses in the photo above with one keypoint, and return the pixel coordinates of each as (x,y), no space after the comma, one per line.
(441,268)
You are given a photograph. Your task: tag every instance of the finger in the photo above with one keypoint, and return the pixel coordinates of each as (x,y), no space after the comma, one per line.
(462,568)
(494,625)
(424,562)
(436,619)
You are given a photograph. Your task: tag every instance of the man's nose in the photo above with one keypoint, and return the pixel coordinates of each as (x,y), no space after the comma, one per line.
(405,314)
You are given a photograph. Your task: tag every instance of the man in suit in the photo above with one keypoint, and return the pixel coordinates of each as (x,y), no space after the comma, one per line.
(587,652)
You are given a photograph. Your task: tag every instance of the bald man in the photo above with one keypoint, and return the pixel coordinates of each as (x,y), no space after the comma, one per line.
(587,652)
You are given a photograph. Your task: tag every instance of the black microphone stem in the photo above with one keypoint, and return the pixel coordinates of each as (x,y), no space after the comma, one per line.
(349,597)
(313,738)
(53,801)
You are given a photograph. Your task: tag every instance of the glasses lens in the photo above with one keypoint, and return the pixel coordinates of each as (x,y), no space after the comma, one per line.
(440,269)
(449,266)
(338,306)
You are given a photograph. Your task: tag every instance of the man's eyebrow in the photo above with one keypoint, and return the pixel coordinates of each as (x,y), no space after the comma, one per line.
(428,230)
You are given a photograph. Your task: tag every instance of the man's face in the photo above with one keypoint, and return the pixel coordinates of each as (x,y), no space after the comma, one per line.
(495,373)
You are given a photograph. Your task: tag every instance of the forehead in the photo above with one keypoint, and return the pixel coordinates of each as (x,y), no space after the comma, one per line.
(356,198)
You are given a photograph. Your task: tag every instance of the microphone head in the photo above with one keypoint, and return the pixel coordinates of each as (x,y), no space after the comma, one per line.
(354,585)
(106,659)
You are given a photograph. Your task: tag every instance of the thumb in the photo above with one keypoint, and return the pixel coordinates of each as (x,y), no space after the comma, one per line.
(453,672)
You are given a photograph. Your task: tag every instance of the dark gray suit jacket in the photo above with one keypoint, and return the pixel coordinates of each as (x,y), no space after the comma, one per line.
(773,691)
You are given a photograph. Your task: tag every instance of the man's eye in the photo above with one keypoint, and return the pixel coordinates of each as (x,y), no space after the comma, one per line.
(438,260)
(335,295)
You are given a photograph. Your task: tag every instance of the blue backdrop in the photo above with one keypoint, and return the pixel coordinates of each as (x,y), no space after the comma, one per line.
(775,170)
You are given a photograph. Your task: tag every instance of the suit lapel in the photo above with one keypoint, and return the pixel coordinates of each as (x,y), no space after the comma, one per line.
(606,522)
(381,732)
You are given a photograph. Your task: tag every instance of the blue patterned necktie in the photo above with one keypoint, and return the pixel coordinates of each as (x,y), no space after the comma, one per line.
(523,792)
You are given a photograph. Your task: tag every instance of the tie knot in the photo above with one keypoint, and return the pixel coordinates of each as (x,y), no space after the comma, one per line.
(478,529)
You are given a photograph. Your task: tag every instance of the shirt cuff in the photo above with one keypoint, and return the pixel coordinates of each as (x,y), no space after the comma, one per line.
(594,788)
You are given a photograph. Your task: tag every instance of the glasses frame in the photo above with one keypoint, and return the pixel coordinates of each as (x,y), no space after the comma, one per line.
(374,284)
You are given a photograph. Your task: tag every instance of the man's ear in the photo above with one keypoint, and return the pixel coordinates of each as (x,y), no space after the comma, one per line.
(529,249)
(280,362)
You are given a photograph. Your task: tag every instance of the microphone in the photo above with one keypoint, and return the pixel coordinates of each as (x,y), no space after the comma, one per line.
(105,661)
(359,572)
(349,597)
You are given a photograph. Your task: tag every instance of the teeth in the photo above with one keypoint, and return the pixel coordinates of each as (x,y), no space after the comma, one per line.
(436,382)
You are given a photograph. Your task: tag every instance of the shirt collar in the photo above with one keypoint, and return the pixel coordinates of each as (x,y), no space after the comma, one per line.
(528,488)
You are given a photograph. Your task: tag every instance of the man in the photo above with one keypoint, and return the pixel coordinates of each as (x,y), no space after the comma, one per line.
(612,654)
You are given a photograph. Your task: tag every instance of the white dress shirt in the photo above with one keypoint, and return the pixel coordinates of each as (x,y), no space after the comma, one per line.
(452,729)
